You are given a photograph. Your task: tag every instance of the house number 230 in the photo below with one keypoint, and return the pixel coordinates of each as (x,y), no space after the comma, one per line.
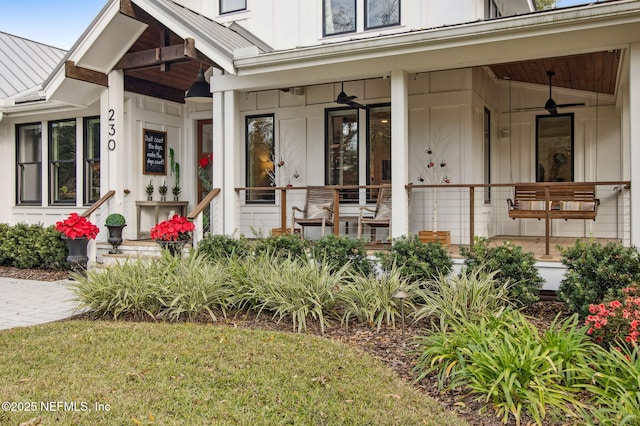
(112,130)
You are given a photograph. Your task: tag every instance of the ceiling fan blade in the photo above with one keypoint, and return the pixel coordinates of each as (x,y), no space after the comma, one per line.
(356,105)
(344,99)
(570,105)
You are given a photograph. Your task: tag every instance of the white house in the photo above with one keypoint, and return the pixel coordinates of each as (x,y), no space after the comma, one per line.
(464,83)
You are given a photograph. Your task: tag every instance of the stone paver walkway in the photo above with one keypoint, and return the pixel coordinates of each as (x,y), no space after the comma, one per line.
(26,302)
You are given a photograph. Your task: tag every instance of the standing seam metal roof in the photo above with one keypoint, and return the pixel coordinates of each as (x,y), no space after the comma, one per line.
(25,64)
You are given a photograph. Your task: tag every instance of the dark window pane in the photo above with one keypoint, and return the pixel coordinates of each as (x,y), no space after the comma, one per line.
(260,151)
(379,147)
(339,16)
(227,6)
(382,13)
(29,163)
(62,160)
(554,143)
(91,159)
(342,150)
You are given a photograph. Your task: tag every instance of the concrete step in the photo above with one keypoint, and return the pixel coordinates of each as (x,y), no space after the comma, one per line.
(131,249)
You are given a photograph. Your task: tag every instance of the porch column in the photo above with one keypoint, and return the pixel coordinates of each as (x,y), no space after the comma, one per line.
(112,129)
(634,140)
(231,159)
(399,153)
(217,207)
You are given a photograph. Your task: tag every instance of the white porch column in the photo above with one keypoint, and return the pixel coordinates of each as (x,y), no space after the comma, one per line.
(399,153)
(217,208)
(112,129)
(634,140)
(231,159)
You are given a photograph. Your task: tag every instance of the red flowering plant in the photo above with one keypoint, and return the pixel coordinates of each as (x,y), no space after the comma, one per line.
(616,321)
(178,228)
(203,174)
(76,226)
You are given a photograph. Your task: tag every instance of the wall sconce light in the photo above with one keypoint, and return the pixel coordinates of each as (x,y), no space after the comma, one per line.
(200,90)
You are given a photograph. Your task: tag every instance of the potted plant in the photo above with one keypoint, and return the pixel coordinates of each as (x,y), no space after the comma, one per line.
(176,192)
(173,234)
(115,222)
(149,191)
(77,231)
(162,189)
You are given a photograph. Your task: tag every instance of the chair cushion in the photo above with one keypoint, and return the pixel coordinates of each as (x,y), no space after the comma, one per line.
(585,206)
(384,212)
(318,211)
(530,205)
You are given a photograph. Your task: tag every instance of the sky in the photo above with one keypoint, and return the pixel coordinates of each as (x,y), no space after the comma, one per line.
(60,23)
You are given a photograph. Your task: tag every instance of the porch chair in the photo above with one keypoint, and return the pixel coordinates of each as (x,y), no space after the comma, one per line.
(318,209)
(381,213)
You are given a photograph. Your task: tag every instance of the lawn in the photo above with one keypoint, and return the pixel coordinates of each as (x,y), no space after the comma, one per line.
(106,373)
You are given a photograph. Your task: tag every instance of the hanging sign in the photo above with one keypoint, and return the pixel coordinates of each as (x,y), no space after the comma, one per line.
(154,152)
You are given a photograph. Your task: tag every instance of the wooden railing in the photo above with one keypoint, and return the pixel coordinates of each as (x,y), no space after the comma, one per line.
(617,185)
(95,206)
(197,214)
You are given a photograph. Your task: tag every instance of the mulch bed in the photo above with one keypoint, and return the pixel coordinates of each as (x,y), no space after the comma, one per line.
(387,345)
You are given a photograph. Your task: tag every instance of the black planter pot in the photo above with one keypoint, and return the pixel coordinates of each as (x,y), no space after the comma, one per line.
(78,257)
(115,237)
(174,247)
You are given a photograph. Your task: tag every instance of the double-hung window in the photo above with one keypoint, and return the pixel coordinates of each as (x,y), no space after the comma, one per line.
(339,17)
(62,161)
(260,157)
(29,164)
(228,6)
(91,159)
(381,13)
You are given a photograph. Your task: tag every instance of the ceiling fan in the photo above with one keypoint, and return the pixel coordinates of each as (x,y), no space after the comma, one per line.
(343,99)
(551,106)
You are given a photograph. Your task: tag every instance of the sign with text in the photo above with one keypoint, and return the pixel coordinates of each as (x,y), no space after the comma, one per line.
(154,152)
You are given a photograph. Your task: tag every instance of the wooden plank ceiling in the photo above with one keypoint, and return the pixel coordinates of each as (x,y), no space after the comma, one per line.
(591,72)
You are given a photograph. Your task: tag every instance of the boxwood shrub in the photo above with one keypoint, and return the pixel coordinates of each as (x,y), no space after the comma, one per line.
(32,247)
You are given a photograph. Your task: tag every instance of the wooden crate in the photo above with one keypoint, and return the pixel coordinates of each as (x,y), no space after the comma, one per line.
(442,237)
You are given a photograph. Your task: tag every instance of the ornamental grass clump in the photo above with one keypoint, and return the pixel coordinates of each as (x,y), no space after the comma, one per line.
(370,299)
(76,226)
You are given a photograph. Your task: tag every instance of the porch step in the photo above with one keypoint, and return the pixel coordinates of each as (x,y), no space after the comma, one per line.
(131,249)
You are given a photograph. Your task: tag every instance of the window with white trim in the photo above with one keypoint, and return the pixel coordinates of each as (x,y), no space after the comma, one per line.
(260,155)
(91,159)
(29,164)
(228,6)
(62,162)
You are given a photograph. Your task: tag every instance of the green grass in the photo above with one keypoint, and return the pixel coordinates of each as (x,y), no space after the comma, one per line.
(161,373)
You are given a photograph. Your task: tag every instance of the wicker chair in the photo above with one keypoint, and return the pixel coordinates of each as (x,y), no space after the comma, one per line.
(318,209)
(381,213)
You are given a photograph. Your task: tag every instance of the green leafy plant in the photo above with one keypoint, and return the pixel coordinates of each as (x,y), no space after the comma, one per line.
(370,299)
(32,247)
(149,188)
(283,246)
(176,191)
(510,266)
(294,288)
(224,246)
(613,322)
(337,251)
(465,297)
(416,260)
(162,189)
(613,382)
(597,272)
(115,219)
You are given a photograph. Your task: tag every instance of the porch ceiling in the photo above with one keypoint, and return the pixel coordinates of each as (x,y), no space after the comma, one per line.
(591,72)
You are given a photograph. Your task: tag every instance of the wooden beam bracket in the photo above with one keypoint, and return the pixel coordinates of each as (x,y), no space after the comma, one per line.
(85,74)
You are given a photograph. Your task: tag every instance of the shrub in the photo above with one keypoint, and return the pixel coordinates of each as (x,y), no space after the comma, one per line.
(615,387)
(416,260)
(511,267)
(223,246)
(467,297)
(615,322)
(115,219)
(32,247)
(337,251)
(370,300)
(597,272)
(283,246)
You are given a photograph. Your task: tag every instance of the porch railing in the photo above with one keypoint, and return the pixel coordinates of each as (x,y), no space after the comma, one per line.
(461,201)
(92,249)
(197,214)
